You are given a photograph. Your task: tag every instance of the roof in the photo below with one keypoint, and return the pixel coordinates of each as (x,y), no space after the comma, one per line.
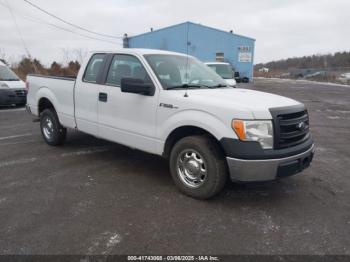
(191,23)
(139,51)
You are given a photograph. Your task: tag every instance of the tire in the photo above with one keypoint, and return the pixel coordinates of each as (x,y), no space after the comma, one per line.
(185,163)
(52,131)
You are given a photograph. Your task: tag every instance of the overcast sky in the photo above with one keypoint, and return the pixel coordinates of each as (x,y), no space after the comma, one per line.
(281,28)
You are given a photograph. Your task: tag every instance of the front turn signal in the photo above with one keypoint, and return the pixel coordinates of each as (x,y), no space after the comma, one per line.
(238,127)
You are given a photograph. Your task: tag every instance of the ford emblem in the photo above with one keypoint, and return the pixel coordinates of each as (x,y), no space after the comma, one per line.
(301,126)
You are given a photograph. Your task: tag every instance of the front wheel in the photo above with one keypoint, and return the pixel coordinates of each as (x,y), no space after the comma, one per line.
(198,166)
(53,132)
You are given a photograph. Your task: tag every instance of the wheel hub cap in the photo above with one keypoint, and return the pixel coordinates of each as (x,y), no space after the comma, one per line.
(191,168)
(48,128)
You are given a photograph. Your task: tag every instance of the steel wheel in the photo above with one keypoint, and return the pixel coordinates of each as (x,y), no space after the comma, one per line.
(48,128)
(191,168)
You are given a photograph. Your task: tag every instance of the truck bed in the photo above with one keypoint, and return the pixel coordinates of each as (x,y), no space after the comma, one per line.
(59,90)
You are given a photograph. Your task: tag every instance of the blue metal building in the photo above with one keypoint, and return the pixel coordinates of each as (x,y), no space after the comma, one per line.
(206,43)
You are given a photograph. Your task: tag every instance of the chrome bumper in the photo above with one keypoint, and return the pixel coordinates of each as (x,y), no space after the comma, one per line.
(268,169)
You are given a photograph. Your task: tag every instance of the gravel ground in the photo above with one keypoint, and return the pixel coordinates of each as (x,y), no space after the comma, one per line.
(95,197)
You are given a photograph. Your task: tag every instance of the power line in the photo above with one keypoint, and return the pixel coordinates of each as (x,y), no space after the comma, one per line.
(18,29)
(69,23)
(40,21)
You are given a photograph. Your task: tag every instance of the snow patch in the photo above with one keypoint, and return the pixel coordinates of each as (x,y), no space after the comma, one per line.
(85,152)
(14,136)
(13,110)
(333,117)
(16,162)
(104,243)
(301,81)
(114,240)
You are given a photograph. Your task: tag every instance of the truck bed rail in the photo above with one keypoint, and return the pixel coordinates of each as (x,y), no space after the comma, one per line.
(68,78)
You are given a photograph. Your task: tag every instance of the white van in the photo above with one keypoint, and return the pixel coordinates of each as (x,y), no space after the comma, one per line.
(12,88)
(225,71)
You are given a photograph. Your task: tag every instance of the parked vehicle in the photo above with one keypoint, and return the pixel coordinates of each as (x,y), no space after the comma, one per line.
(12,89)
(225,71)
(173,105)
(344,78)
(237,77)
(240,79)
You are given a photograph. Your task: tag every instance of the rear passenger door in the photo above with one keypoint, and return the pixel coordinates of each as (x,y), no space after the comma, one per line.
(127,118)
(86,95)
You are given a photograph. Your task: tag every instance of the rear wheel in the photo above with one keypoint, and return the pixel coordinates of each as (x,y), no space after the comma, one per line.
(198,166)
(53,132)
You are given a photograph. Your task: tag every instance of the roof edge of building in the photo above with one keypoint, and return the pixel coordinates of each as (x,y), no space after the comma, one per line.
(196,24)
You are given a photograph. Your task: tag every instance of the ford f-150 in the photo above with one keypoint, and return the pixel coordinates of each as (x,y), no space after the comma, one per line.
(173,105)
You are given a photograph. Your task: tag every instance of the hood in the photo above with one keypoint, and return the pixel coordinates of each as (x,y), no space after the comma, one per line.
(258,103)
(14,84)
(231,82)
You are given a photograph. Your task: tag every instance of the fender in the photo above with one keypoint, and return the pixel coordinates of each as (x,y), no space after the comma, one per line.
(192,117)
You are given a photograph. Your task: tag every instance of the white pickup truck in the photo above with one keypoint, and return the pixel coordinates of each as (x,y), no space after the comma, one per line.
(173,105)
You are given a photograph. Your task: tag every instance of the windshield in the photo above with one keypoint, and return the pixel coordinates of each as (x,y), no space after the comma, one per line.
(175,71)
(222,70)
(7,75)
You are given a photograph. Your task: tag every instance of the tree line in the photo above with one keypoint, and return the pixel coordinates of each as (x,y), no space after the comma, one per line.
(336,60)
(33,66)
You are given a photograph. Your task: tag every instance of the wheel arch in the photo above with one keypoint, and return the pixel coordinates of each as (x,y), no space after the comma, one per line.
(44,103)
(185,131)
(46,99)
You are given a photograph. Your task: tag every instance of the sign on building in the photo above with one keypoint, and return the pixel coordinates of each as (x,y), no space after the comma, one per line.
(245,57)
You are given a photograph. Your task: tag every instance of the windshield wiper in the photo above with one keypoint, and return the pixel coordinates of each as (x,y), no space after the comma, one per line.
(217,86)
(9,79)
(188,86)
(185,86)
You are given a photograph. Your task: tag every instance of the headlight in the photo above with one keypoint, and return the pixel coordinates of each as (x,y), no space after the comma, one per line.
(255,130)
(3,85)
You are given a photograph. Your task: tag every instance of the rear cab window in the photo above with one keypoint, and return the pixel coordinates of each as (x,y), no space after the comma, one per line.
(93,68)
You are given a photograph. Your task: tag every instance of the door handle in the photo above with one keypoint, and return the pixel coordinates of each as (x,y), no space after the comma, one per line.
(102,97)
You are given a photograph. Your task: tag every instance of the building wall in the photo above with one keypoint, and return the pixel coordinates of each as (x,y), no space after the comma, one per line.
(203,42)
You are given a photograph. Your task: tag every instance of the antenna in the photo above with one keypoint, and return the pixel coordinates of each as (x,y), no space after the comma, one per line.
(187,45)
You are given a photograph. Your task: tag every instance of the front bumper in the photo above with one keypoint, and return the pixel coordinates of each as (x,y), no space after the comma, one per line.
(13,96)
(253,170)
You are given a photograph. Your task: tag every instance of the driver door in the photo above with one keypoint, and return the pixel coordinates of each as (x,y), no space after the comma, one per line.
(127,118)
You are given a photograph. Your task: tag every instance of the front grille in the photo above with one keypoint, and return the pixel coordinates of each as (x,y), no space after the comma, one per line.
(291,126)
(21,93)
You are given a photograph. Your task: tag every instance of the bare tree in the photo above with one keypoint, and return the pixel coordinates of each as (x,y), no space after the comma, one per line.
(3,56)
(80,54)
(66,55)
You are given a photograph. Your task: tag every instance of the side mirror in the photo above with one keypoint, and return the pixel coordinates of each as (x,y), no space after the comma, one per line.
(137,86)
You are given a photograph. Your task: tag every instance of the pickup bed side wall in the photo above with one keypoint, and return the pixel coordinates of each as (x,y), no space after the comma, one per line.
(58,91)
(64,111)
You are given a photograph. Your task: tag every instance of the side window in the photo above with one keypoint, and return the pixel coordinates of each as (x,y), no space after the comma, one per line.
(126,66)
(93,68)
